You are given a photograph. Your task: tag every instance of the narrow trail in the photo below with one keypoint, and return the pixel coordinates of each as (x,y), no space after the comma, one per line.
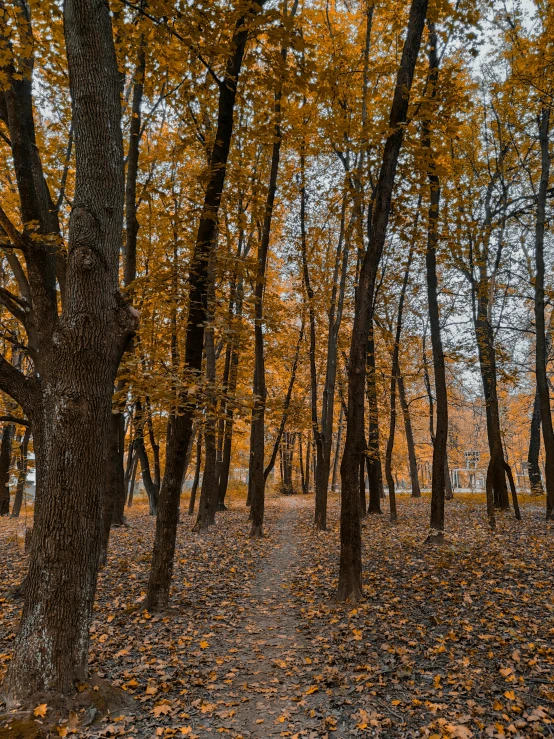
(273,679)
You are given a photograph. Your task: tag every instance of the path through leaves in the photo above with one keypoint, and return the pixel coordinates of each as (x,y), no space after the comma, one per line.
(455,641)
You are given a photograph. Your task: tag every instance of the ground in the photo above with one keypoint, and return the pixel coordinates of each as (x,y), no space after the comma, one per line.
(450,641)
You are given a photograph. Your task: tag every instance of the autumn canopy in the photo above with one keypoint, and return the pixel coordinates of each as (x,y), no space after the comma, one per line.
(269,269)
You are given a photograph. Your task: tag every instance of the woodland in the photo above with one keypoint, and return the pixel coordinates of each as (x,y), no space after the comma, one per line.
(276,322)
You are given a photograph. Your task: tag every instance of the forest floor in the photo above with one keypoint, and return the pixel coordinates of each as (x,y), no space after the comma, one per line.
(450,641)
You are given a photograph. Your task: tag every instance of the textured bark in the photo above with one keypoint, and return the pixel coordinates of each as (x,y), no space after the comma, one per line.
(5,463)
(535,478)
(441,431)
(79,352)
(180,422)
(350,570)
(540,343)
(22,464)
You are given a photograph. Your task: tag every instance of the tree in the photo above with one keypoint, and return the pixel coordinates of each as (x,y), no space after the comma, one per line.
(76,351)
(350,571)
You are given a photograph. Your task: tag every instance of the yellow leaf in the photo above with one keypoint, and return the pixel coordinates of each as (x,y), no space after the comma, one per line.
(204,645)
(312,689)
(396,702)
(62,730)
(151,690)
(41,710)
(163,708)
(510,695)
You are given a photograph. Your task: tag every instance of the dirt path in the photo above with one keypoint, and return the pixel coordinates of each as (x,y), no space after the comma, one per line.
(272,688)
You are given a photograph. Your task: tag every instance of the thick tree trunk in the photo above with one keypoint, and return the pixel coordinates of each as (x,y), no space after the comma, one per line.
(350,570)
(540,359)
(22,473)
(436,533)
(70,405)
(412,457)
(5,463)
(535,478)
(180,423)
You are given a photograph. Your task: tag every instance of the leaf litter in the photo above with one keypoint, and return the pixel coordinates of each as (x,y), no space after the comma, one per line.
(450,641)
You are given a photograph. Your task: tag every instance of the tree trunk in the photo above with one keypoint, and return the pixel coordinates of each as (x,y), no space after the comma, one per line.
(287,448)
(22,473)
(152,489)
(395,373)
(487,364)
(436,533)
(208,492)
(114,506)
(535,479)
(334,485)
(350,570)
(540,359)
(373,457)
(5,463)
(132,481)
(256,476)
(412,457)
(288,397)
(180,423)
(197,469)
(69,403)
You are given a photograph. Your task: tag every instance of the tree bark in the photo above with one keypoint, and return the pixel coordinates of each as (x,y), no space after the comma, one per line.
(79,352)
(395,374)
(197,469)
(256,472)
(535,478)
(350,570)
(436,533)
(412,457)
(22,473)
(208,492)
(5,463)
(373,456)
(540,344)
(114,506)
